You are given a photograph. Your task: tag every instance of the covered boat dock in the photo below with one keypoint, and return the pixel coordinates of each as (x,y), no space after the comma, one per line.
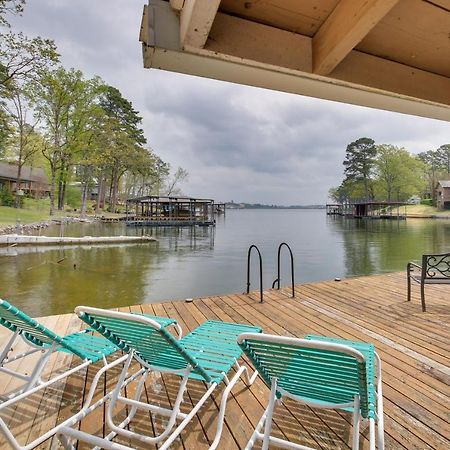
(169,211)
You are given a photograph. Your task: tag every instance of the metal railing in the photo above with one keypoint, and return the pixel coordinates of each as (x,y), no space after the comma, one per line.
(260,271)
(277,280)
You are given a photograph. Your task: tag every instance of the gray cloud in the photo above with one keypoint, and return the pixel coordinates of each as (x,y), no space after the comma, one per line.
(237,142)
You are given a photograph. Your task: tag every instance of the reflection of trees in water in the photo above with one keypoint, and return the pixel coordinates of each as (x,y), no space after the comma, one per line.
(104,276)
(374,246)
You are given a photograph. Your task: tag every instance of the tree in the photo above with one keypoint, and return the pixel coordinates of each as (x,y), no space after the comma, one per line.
(171,187)
(61,100)
(399,174)
(10,7)
(5,131)
(443,158)
(359,163)
(22,129)
(22,58)
(126,137)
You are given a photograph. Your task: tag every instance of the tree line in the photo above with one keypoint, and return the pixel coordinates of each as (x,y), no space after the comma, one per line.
(80,129)
(385,172)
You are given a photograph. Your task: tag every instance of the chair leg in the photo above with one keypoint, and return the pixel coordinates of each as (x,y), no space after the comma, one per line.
(408,278)
(356,422)
(269,417)
(372,434)
(36,374)
(422,296)
(8,347)
(223,405)
(173,414)
(380,409)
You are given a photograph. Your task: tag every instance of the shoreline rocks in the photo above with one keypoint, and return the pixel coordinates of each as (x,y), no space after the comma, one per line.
(31,228)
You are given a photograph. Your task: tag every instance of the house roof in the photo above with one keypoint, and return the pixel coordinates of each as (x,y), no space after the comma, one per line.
(445,183)
(386,54)
(8,171)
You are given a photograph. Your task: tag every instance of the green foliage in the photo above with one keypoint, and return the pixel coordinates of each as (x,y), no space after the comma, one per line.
(359,163)
(399,174)
(426,201)
(73,197)
(384,173)
(10,7)
(127,119)
(6,197)
(24,59)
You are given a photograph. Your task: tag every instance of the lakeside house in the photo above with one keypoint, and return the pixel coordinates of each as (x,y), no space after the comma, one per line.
(443,194)
(33,181)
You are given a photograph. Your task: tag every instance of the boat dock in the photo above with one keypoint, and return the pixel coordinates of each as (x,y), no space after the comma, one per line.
(414,348)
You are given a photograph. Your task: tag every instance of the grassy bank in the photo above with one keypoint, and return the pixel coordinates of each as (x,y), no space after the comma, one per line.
(425,210)
(32,211)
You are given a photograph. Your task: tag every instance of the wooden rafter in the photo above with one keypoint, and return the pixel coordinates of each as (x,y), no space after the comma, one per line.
(196,19)
(349,22)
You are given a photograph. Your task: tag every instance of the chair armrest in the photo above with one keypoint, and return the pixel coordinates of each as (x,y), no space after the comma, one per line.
(414,265)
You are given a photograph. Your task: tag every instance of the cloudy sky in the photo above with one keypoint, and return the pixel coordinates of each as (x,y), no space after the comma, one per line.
(237,143)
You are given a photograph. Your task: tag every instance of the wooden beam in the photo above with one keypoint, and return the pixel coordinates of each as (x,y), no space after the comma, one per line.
(177,4)
(349,22)
(271,58)
(196,19)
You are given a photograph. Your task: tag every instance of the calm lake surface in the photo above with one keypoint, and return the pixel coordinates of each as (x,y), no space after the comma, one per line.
(197,261)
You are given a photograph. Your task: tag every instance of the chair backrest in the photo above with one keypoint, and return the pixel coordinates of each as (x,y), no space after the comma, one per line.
(152,344)
(317,371)
(37,334)
(436,267)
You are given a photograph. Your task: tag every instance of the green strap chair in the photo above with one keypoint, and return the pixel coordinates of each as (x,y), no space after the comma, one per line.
(320,372)
(84,345)
(208,354)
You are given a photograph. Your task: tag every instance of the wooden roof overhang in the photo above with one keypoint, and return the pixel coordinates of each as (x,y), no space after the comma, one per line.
(385,54)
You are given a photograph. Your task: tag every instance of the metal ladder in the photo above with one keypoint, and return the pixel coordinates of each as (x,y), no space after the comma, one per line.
(277,280)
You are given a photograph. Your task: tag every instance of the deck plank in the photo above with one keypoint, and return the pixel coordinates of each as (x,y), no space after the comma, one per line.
(414,348)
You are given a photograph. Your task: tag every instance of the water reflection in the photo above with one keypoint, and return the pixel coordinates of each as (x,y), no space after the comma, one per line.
(377,246)
(54,279)
(200,261)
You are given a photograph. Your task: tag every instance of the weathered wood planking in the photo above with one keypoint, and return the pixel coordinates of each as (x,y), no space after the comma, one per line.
(414,347)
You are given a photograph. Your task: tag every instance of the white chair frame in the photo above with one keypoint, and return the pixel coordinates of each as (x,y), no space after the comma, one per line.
(34,378)
(376,431)
(66,433)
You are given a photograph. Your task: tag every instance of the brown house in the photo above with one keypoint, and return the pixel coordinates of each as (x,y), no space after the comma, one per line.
(443,195)
(33,181)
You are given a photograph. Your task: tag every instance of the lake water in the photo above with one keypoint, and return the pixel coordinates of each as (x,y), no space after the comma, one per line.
(197,261)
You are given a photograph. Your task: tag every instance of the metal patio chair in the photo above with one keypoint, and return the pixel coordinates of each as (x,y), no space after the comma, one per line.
(320,372)
(208,354)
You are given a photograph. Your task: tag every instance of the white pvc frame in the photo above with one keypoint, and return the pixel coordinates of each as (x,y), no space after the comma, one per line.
(34,383)
(87,407)
(34,379)
(167,437)
(376,430)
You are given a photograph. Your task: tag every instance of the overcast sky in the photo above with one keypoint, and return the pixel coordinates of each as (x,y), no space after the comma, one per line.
(237,143)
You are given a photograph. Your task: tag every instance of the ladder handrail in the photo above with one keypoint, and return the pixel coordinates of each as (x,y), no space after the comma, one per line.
(260,271)
(277,280)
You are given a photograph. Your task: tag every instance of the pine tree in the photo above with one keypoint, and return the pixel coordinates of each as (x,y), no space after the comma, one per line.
(359,163)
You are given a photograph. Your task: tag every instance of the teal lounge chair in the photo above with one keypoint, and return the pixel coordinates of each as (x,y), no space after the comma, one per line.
(83,345)
(208,354)
(320,372)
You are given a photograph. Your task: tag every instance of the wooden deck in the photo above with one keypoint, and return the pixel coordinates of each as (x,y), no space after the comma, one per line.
(414,348)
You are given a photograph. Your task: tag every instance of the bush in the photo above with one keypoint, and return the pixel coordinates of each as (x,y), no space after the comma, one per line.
(6,197)
(427,201)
